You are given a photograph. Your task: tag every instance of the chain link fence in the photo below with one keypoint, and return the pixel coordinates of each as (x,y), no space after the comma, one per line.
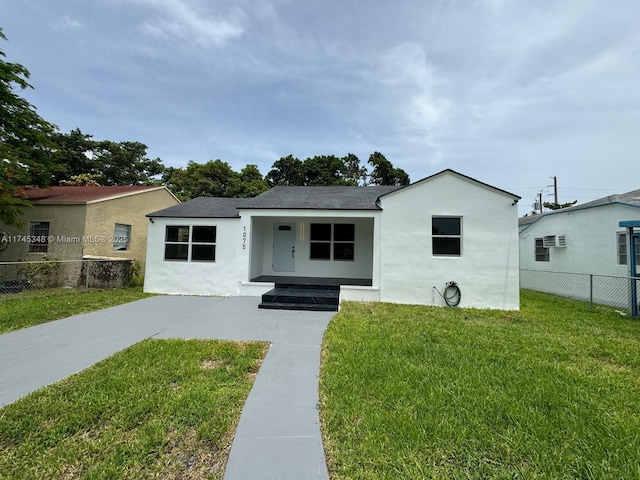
(16,277)
(609,290)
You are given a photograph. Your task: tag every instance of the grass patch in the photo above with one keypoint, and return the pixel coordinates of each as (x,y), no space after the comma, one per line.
(159,409)
(551,391)
(27,309)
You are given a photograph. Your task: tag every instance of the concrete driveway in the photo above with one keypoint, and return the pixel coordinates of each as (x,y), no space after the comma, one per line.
(278,436)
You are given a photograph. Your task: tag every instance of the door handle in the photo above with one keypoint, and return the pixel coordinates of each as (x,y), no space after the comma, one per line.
(293,252)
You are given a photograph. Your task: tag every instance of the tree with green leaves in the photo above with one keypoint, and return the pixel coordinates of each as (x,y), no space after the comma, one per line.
(105,162)
(354,173)
(248,183)
(25,142)
(319,170)
(329,170)
(75,156)
(214,179)
(126,163)
(286,171)
(384,173)
(211,179)
(558,206)
(324,170)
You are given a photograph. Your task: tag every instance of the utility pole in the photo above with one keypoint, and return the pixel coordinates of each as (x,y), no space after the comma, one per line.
(540,201)
(555,190)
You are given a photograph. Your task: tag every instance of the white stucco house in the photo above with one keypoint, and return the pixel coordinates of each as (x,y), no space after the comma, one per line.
(395,244)
(589,239)
(584,238)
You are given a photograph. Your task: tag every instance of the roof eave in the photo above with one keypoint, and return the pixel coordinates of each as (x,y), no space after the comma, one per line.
(510,195)
(45,201)
(129,194)
(336,209)
(575,209)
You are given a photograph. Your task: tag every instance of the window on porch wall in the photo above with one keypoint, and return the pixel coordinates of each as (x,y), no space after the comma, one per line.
(332,241)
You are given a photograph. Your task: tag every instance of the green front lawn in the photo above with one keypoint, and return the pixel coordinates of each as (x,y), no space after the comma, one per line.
(159,409)
(410,392)
(27,309)
(552,391)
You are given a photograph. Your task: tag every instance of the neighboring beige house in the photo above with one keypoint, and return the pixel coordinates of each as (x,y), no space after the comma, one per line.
(71,222)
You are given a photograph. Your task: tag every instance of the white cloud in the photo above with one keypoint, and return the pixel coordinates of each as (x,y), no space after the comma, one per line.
(193,22)
(67,22)
(412,90)
(503,91)
(616,56)
(71,22)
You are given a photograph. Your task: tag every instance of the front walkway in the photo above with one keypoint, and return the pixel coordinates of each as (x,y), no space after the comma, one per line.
(278,436)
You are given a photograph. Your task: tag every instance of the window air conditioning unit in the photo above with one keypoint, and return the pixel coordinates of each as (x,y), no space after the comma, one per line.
(559,241)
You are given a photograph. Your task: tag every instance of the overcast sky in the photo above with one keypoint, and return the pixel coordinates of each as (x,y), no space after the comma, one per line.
(511,93)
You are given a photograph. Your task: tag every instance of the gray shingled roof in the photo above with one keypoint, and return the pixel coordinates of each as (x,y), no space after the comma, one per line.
(203,207)
(294,198)
(290,198)
(532,218)
(631,198)
(319,198)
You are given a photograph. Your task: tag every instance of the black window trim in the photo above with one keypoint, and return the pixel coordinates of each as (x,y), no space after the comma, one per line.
(540,252)
(457,236)
(190,243)
(333,243)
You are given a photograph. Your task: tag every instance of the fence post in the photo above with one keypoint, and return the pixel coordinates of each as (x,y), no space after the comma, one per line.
(591,291)
(634,297)
(86,279)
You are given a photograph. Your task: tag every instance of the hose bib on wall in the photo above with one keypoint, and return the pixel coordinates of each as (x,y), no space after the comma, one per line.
(452,294)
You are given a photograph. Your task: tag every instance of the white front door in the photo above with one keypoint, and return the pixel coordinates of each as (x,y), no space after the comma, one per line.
(284,247)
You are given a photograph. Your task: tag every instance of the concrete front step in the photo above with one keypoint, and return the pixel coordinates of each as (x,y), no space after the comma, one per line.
(302,297)
(309,307)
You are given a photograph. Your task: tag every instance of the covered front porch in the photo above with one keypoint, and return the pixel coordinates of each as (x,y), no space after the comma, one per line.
(338,248)
(319,257)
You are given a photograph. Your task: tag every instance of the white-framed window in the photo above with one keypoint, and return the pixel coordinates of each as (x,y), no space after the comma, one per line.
(190,243)
(332,241)
(621,243)
(446,236)
(541,252)
(121,237)
(38,237)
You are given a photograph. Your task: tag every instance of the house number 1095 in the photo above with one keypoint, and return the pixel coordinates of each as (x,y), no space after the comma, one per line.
(244,238)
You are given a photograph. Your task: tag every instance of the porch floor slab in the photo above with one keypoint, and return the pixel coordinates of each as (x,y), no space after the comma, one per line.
(289,280)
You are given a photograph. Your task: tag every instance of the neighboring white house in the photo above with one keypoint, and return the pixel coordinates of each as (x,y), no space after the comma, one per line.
(395,244)
(583,239)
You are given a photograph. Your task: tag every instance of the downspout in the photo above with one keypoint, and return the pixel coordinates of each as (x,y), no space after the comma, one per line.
(377,239)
